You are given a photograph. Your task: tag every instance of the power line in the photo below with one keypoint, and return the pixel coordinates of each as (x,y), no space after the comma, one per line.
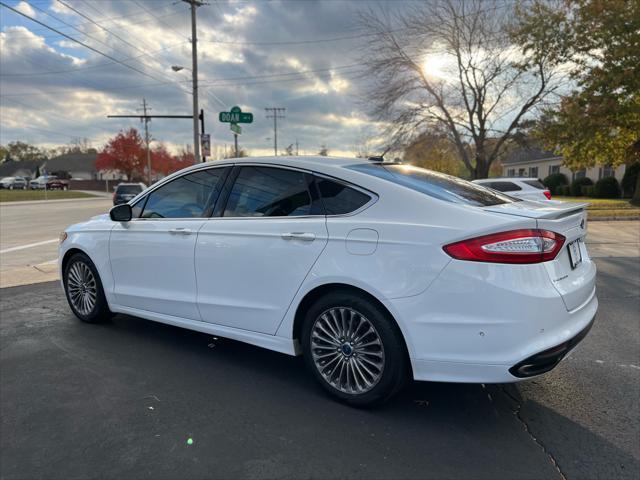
(89,67)
(110,32)
(106,55)
(158,18)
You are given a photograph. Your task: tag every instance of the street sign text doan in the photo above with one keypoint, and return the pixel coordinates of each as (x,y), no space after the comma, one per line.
(235,115)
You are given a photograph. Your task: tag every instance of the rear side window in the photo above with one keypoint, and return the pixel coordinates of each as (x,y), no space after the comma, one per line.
(340,199)
(268,192)
(535,184)
(503,186)
(437,185)
(189,196)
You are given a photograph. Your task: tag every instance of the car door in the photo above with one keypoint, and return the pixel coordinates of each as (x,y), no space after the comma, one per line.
(152,255)
(252,257)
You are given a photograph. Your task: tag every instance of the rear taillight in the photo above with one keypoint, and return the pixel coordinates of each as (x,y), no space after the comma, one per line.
(514,246)
(547,194)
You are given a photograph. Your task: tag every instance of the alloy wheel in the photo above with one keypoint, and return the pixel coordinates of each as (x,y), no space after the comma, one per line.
(82,288)
(347,350)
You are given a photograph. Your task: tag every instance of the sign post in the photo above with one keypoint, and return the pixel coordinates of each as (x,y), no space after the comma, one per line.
(234,117)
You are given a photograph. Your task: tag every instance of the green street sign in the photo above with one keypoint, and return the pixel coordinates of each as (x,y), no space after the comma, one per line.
(235,128)
(235,115)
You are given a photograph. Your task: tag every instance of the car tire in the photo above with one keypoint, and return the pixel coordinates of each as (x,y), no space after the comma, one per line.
(358,369)
(83,289)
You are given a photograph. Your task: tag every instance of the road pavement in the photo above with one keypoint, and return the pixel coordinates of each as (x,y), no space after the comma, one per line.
(29,233)
(122,399)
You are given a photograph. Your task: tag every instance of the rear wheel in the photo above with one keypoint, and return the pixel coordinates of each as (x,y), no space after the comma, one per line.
(84,291)
(354,349)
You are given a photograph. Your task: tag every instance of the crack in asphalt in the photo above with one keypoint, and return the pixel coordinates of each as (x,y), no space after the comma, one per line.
(526,428)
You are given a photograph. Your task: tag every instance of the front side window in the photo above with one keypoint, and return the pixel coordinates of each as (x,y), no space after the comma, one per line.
(189,196)
(268,192)
(435,184)
(340,199)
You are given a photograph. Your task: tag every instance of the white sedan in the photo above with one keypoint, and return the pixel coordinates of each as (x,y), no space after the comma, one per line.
(525,188)
(374,272)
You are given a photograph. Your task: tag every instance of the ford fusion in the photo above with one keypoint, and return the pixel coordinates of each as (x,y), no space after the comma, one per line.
(375,272)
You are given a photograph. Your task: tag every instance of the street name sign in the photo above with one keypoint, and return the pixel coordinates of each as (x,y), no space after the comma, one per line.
(235,115)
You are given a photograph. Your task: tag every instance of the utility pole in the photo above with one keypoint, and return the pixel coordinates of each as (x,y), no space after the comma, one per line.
(146,119)
(194,71)
(276,113)
(297,147)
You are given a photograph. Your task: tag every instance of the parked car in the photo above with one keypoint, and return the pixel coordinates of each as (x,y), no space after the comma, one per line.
(526,188)
(372,271)
(57,184)
(40,182)
(13,183)
(126,191)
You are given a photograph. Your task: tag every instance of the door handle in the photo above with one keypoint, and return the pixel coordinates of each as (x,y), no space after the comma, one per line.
(305,237)
(180,231)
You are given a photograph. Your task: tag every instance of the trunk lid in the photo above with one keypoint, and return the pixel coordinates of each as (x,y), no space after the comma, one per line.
(575,285)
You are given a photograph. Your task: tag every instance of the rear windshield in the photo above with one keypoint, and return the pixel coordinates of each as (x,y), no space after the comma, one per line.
(437,185)
(129,189)
(535,184)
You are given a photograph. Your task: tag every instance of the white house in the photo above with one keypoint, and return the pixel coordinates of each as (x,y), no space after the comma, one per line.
(536,163)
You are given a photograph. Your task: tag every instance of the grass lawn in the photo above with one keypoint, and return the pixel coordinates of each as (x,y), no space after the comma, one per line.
(604,207)
(21,195)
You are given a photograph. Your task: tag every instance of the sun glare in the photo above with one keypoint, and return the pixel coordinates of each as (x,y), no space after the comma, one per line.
(435,66)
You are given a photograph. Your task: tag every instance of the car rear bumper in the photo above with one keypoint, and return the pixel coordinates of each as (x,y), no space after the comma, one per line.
(477,322)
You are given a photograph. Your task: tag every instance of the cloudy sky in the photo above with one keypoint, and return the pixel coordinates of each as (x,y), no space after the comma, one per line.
(301,55)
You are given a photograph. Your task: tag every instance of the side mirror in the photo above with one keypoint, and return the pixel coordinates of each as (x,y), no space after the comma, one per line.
(121,213)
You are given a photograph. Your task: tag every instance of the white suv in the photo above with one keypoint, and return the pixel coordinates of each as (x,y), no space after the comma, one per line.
(525,188)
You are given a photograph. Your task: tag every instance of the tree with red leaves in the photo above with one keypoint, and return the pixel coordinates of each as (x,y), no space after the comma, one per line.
(124,153)
(164,163)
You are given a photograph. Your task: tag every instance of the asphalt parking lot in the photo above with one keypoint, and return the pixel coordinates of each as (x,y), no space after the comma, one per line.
(122,399)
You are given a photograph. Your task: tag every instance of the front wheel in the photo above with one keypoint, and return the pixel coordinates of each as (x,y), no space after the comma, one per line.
(83,289)
(354,349)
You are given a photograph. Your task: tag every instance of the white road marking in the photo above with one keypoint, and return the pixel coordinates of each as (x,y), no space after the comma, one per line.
(30,245)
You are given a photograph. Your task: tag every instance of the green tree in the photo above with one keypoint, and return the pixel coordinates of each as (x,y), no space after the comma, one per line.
(598,42)
(434,152)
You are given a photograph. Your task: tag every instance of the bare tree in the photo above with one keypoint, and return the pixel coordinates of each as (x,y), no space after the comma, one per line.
(451,65)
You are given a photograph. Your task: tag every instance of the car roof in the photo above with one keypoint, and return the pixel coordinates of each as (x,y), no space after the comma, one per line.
(309,162)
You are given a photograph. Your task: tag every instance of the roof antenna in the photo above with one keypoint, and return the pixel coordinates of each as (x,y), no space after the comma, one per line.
(380,158)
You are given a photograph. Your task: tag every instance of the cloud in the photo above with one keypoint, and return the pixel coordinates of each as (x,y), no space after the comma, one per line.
(25,8)
(249,55)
